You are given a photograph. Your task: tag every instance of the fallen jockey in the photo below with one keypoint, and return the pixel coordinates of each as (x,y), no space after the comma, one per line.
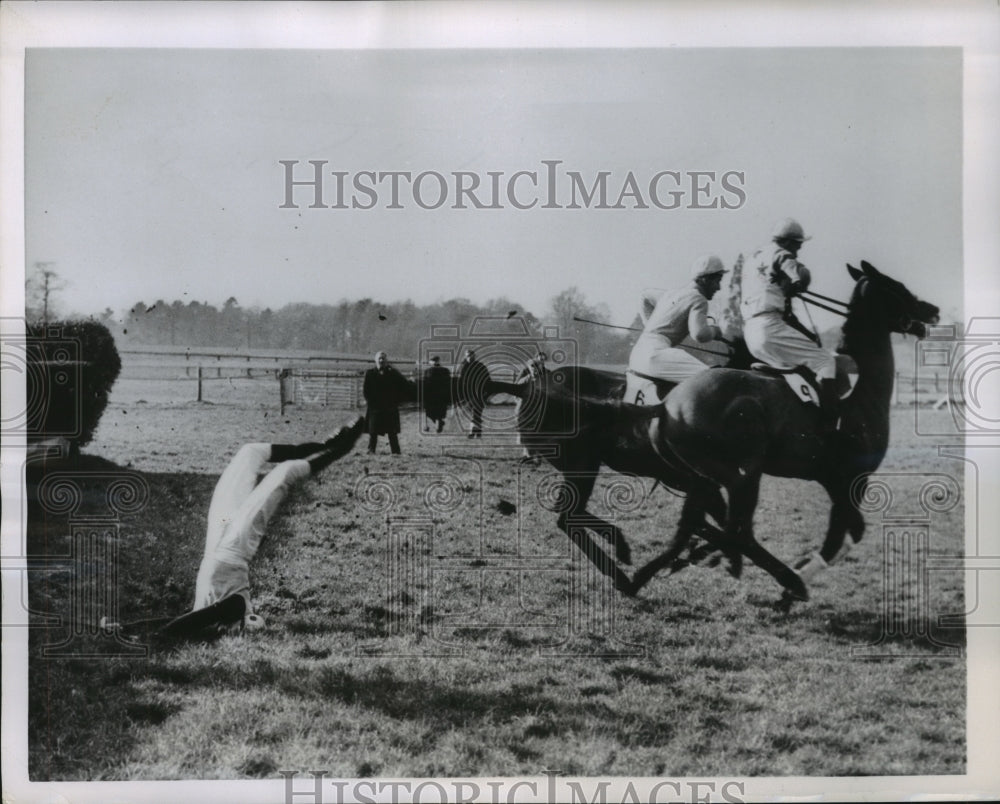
(237,521)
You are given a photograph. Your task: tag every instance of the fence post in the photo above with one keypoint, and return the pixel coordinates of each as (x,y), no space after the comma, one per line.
(199,383)
(895,390)
(284,381)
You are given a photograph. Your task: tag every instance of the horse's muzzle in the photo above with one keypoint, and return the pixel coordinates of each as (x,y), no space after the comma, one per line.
(927,315)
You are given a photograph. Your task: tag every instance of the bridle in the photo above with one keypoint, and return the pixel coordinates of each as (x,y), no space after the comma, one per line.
(904,324)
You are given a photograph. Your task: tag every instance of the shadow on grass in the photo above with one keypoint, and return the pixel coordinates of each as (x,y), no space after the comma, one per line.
(90,554)
(896,632)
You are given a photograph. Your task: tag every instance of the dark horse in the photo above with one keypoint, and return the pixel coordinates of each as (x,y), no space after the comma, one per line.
(731,427)
(573,418)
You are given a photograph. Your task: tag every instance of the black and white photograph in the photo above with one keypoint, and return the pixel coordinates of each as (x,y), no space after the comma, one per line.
(500,402)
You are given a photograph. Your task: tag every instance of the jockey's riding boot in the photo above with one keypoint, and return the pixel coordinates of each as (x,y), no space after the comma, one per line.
(829,405)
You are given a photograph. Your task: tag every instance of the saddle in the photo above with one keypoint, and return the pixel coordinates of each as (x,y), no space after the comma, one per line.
(804,384)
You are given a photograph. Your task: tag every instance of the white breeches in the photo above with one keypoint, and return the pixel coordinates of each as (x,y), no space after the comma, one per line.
(237,520)
(655,358)
(772,341)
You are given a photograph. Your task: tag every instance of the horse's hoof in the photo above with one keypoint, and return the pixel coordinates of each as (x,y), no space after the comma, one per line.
(796,590)
(783,604)
(735,566)
(627,587)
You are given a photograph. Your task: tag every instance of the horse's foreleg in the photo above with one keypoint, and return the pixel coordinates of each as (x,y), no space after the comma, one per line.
(575,520)
(611,533)
(579,488)
(742,504)
(844,519)
(581,538)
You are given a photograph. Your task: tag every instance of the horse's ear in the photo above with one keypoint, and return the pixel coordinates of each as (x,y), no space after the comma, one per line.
(854,272)
(869,269)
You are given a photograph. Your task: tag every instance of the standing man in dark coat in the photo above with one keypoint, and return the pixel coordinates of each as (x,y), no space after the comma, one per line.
(472,379)
(437,392)
(384,389)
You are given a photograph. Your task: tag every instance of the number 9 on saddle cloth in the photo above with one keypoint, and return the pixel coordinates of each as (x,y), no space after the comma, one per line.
(642,389)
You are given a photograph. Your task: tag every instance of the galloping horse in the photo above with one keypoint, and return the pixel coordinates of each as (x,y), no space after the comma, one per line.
(572,417)
(731,427)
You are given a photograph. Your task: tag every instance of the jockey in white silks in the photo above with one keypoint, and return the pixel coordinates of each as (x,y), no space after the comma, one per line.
(771,278)
(241,508)
(675,317)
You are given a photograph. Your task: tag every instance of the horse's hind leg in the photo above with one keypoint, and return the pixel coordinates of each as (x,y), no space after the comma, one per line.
(716,539)
(692,515)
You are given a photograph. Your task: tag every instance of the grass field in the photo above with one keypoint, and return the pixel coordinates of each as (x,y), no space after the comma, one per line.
(417,626)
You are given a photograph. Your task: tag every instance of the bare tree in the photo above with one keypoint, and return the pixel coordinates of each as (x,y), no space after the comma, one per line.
(40,287)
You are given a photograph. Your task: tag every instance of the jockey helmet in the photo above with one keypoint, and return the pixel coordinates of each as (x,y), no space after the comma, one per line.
(706,265)
(788,229)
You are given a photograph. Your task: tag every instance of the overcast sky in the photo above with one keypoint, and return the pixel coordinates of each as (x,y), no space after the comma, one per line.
(155,174)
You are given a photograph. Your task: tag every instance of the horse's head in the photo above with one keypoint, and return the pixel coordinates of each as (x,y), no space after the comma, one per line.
(891,300)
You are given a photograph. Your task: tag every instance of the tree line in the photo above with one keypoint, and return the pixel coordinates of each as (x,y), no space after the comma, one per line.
(356,327)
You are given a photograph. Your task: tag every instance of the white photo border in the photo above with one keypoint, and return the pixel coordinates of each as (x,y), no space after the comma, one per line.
(972,26)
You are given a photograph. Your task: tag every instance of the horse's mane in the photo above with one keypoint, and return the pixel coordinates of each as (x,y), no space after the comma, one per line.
(853,327)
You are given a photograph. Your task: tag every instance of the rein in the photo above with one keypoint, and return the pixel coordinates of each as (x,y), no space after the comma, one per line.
(806,294)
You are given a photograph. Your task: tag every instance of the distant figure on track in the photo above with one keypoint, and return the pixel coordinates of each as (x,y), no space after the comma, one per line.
(437,392)
(472,379)
(384,389)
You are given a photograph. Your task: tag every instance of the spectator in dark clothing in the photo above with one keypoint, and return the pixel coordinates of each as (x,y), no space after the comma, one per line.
(384,389)
(437,392)
(472,379)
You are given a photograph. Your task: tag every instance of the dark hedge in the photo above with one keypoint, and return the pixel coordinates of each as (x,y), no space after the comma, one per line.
(72,366)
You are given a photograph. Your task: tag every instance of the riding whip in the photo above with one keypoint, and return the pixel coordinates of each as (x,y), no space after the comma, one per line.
(636,329)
